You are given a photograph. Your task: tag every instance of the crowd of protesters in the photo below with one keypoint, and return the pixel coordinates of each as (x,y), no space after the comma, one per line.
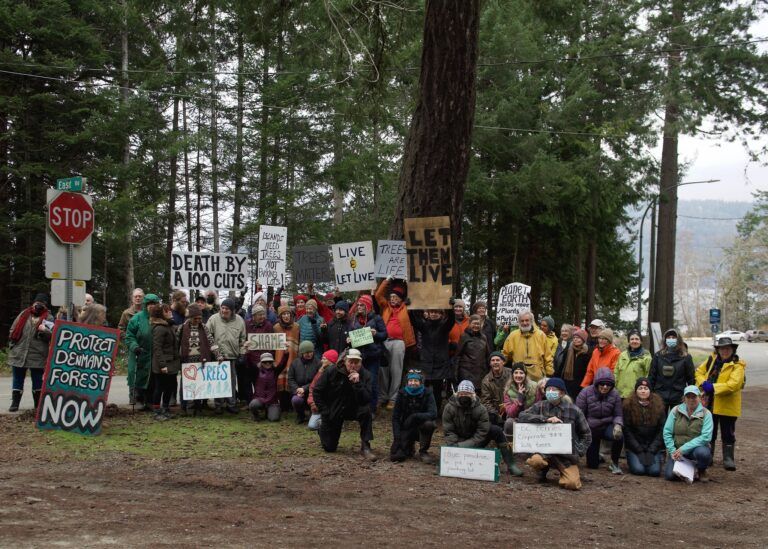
(445,368)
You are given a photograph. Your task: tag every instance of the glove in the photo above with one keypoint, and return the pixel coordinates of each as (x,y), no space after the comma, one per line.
(617,432)
(390,278)
(137,351)
(708,387)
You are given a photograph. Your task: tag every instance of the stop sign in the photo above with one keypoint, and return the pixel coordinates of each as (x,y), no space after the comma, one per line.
(70,217)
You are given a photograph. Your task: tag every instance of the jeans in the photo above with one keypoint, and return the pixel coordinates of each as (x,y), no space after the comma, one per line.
(314,422)
(330,430)
(372,365)
(593,452)
(727,425)
(392,375)
(701,456)
(272,410)
(19,373)
(299,405)
(636,466)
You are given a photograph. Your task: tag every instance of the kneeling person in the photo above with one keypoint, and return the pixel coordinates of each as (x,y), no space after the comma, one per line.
(343,392)
(413,419)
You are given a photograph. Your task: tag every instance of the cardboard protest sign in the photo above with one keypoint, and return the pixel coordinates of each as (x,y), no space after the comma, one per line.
(266,342)
(204,380)
(391,259)
(430,262)
(273,243)
(209,271)
(78,374)
(353,266)
(470,463)
(311,264)
(543,438)
(513,299)
(360,337)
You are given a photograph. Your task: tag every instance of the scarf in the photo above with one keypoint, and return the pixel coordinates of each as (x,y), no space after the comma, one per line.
(636,353)
(569,359)
(21,323)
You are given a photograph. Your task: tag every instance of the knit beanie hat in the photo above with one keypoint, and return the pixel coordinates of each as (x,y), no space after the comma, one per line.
(259,295)
(342,305)
(283,309)
(477,304)
(466,386)
(230,303)
(498,354)
(256,309)
(581,333)
(312,302)
(331,355)
(607,333)
(459,303)
(367,301)
(550,322)
(642,381)
(306,347)
(519,366)
(299,297)
(194,310)
(557,383)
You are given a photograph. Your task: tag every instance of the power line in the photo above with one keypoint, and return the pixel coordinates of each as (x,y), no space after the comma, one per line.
(712,218)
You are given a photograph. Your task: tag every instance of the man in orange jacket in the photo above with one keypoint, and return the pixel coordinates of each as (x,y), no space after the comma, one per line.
(605,355)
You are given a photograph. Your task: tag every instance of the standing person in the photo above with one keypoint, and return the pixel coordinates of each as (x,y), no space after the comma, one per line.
(605,355)
(228,331)
(460,322)
(547,326)
(472,354)
(671,369)
(494,385)
(601,405)
(561,351)
(400,338)
(487,326)
(434,355)
(721,378)
(260,298)
(365,317)
(343,393)
(137,301)
(633,364)
(300,375)
(165,361)
(555,409)
(246,374)
(93,315)
(179,304)
(265,388)
(466,424)
(195,345)
(594,329)
(28,349)
(201,300)
(212,303)
(328,359)
(310,325)
(286,325)
(576,361)
(687,433)
(644,417)
(413,419)
(529,346)
(138,339)
(335,334)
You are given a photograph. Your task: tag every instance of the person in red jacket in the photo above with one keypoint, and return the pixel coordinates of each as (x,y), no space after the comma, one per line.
(605,355)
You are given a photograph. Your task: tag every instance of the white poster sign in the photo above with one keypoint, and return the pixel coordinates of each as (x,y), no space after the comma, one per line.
(391,259)
(353,266)
(513,299)
(542,438)
(203,380)
(273,246)
(469,463)
(209,271)
(266,342)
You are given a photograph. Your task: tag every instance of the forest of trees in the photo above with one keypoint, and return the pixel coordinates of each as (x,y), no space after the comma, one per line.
(195,121)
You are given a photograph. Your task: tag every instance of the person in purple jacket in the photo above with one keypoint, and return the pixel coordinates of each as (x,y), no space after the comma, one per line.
(601,405)
(265,388)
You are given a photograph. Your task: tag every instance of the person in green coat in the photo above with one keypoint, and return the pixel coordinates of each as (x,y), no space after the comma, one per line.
(633,364)
(138,339)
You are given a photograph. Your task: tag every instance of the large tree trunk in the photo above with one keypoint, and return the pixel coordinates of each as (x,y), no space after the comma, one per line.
(130,283)
(171,229)
(437,150)
(239,169)
(214,129)
(591,279)
(187,200)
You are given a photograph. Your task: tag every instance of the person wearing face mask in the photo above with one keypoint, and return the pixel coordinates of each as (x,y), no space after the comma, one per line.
(434,356)
(413,419)
(466,424)
(494,385)
(687,433)
(265,388)
(644,418)
(721,378)
(601,405)
(472,354)
(671,369)
(28,349)
(576,361)
(556,409)
(212,303)
(529,346)
(605,355)
(633,364)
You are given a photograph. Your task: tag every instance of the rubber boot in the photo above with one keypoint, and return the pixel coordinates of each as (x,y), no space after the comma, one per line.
(36,397)
(509,459)
(728,461)
(366,452)
(15,401)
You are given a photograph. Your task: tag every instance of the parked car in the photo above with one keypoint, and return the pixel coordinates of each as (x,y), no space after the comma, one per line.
(735,335)
(757,335)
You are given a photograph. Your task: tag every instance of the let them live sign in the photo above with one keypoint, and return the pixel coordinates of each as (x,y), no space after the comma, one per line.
(71,217)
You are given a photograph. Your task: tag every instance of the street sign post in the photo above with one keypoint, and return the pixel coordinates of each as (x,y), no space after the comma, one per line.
(76,184)
(714,316)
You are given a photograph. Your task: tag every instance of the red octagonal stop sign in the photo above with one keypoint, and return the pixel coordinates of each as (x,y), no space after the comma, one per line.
(70,217)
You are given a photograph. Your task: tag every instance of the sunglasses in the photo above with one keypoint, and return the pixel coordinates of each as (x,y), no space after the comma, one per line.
(604,385)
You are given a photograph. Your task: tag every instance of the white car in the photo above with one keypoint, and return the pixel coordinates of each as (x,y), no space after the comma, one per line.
(735,335)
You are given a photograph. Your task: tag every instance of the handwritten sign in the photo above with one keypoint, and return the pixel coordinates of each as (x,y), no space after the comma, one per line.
(353,266)
(543,438)
(391,259)
(266,342)
(469,463)
(273,242)
(513,299)
(311,264)
(430,261)
(78,374)
(361,337)
(204,380)
(209,271)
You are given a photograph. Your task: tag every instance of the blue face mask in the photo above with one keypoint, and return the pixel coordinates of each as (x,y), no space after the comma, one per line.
(671,342)
(552,396)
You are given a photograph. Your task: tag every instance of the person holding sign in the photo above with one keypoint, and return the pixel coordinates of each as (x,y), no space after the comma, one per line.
(28,350)
(529,346)
(556,409)
(413,419)
(246,373)
(343,393)
(434,355)
(687,433)
(228,331)
(166,362)
(366,318)
(300,375)
(195,345)
(466,424)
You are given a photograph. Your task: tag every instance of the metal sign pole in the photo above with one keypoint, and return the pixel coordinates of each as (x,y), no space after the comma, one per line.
(69,290)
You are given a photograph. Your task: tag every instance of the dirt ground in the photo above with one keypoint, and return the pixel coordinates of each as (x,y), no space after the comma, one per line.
(130,500)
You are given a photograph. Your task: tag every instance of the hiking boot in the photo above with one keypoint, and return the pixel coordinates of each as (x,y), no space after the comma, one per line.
(233,410)
(728,462)
(366,452)
(167,413)
(15,401)
(159,416)
(702,476)
(514,470)
(424,457)
(615,469)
